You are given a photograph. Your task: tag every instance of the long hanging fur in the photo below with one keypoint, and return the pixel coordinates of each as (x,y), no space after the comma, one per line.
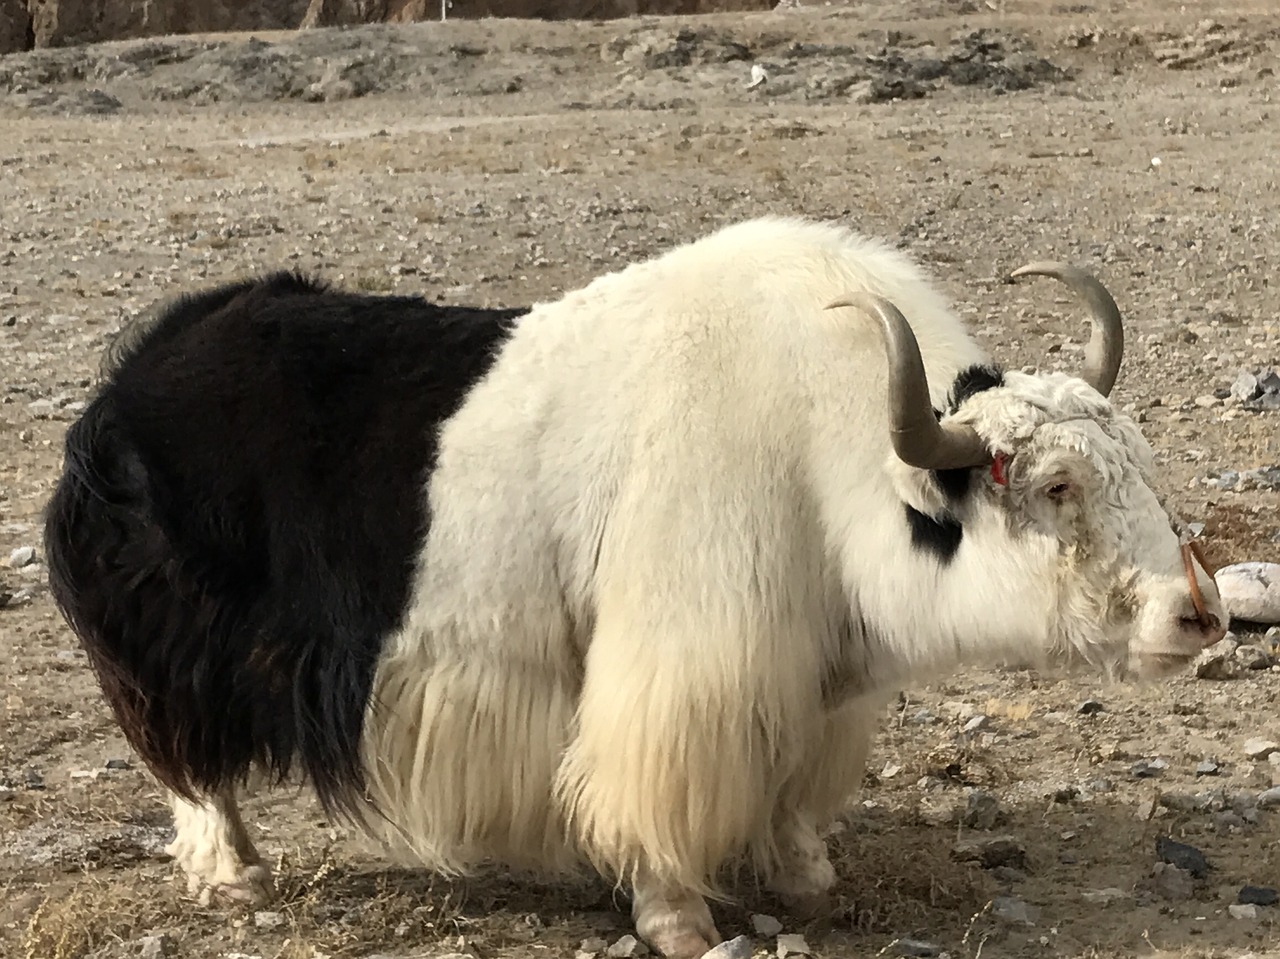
(235,529)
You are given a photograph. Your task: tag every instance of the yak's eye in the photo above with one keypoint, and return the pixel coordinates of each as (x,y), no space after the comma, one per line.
(1058,490)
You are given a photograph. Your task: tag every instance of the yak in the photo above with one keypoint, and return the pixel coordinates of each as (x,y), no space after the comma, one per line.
(621,581)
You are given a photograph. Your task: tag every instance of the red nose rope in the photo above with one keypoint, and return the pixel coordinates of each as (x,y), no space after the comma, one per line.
(1189,549)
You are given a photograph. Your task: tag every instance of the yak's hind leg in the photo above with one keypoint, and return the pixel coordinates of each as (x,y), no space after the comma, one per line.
(215,852)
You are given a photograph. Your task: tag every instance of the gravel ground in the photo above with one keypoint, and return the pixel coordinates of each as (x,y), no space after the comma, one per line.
(503,162)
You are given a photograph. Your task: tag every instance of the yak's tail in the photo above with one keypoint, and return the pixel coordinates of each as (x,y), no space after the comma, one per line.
(208,676)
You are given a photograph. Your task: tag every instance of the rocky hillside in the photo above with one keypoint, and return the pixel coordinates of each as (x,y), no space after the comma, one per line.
(27,24)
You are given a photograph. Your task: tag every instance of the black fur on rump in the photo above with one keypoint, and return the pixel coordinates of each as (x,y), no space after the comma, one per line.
(235,529)
(942,535)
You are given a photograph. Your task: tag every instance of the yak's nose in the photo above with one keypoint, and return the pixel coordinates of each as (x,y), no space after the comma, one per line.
(1205,631)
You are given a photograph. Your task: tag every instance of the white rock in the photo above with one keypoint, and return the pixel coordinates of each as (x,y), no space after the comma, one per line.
(22,556)
(759,75)
(268,920)
(766,926)
(1251,591)
(627,947)
(739,948)
(792,944)
(1260,748)
(1247,911)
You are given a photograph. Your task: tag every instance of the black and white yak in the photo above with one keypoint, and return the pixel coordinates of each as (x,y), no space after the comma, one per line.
(623,580)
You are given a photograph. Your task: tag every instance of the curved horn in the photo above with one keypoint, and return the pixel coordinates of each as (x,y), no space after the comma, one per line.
(918,438)
(1106,346)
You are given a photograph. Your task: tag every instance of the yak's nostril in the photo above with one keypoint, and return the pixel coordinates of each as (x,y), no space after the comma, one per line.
(1212,633)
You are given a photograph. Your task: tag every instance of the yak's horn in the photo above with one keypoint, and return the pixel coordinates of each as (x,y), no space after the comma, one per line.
(918,438)
(1106,346)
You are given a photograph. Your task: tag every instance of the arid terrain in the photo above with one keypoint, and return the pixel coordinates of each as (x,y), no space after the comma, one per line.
(502,162)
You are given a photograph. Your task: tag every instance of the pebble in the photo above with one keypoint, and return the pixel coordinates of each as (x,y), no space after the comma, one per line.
(22,556)
(594,946)
(917,948)
(1218,661)
(766,926)
(1253,657)
(998,851)
(1238,911)
(154,947)
(982,810)
(1170,882)
(1146,768)
(118,764)
(1012,909)
(1269,798)
(792,944)
(1207,768)
(736,948)
(1260,748)
(627,947)
(1090,707)
(1258,896)
(6,794)
(1182,855)
(1104,896)
(268,920)
(1251,591)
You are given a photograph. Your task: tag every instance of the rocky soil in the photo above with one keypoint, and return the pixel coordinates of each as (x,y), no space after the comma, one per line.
(1006,814)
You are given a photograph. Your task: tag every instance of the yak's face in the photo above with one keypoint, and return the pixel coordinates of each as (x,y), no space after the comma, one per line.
(1072,479)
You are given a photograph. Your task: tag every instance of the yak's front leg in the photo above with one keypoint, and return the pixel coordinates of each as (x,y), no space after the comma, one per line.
(675,923)
(215,852)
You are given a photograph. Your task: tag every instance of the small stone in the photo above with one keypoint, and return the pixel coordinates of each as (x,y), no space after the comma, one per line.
(766,926)
(976,723)
(268,920)
(1170,882)
(1258,896)
(1182,855)
(1258,749)
(1090,707)
(1269,798)
(1207,401)
(1253,657)
(594,945)
(1146,768)
(917,948)
(1207,768)
(792,944)
(1238,911)
(736,948)
(1104,896)
(1218,661)
(118,764)
(1245,387)
(6,794)
(997,851)
(154,947)
(982,810)
(628,947)
(1012,909)
(22,556)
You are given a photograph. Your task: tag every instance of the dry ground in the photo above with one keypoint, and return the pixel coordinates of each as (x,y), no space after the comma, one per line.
(500,162)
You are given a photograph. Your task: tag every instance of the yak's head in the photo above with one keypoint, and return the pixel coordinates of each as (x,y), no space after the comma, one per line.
(1045,472)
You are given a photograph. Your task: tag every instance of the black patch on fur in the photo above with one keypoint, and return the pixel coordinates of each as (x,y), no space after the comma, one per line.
(942,535)
(234,532)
